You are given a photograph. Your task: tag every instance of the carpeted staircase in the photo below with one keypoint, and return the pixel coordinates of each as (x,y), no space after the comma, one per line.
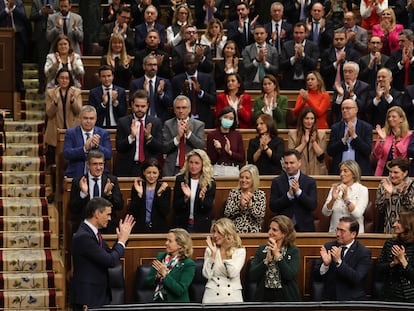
(32,275)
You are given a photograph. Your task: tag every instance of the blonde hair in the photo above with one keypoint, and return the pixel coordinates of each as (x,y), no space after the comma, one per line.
(206,177)
(254,172)
(226,227)
(124,56)
(183,239)
(393,22)
(403,125)
(189,15)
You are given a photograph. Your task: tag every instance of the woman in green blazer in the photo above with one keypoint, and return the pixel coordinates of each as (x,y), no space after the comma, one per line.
(271,102)
(277,263)
(173,271)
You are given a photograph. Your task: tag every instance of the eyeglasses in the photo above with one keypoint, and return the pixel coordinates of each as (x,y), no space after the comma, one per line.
(347,108)
(376,42)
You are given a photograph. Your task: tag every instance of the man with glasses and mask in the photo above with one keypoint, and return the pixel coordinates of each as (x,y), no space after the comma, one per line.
(344,264)
(95,183)
(350,139)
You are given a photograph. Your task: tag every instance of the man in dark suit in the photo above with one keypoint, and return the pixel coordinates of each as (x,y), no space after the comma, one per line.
(319,29)
(344,264)
(180,135)
(278,31)
(108,99)
(372,62)
(119,26)
(150,22)
(93,184)
(352,88)
(241,29)
(350,139)
(294,194)
(401,62)
(259,58)
(299,56)
(38,15)
(92,256)
(199,87)
(357,37)
(334,58)
(382,98)
(81,139)
(67,23)
(408,106)
(296,11)
(206,10)
(189,45)
(152,47)
(138,137)
(159,89)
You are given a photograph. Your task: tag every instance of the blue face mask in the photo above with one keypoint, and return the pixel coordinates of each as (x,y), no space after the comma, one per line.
(226,123)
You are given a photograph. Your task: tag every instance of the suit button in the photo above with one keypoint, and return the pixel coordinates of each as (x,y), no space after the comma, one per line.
(228,294)
(228,285)
(218,285)
(218,279)
(218,294)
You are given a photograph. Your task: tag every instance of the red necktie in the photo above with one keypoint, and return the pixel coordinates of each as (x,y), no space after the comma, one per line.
(99,238)
(141,155)
(181,156)
(338,69)
(407,73)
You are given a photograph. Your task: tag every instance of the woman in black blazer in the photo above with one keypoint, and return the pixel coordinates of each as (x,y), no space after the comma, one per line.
(150,199)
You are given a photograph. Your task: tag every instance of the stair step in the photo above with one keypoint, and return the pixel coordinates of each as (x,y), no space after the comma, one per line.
(36,240)
(30,74)
(24,126)
(35,223)
(26,191)
(32,115)
(30,150)
(22,178)
(22,138)
(30,260)
(33,104)
(28,280)
(19,164)
(31,299)
(31,83)
(19,207)
(30,66)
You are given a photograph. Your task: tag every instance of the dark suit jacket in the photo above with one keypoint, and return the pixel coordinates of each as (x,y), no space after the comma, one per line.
(169,131)
(408,105)
(39,19)
(346,282)
(163,70)
(159,211)
(378,113)
(398,75)
(126,151)
(141,34)
(370,75)
(200,14)
(90,268)
(300,207)
(122,74)
(95,99)
(178,53)
(361,90)
(239,37)
(288,28)
(105,35)
(203,104)
(202,209)
(309,63)
(74,153)
(177,282)
(77,204)
(362,145)
(328,71)
(291,13)
(220,74)
(326,37)
(163,105)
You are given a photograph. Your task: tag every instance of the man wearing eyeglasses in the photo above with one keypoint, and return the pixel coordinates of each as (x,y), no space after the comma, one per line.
(372,62)
(350,139)
(344,264)
(95,183)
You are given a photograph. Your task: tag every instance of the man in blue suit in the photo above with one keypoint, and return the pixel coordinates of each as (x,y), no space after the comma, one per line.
(92,256)
(294,194)
(150,22)
(160,95)
(108,99)
(81,139)
(344,264)
(278,30)
(350,139)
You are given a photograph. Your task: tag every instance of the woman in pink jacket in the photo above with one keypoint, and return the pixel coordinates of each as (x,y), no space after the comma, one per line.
(392,140)
(388,31)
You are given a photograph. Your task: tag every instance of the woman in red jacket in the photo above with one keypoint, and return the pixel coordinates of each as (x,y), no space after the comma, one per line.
(235,97)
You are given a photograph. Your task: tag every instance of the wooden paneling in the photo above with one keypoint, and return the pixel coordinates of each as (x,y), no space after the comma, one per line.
(7,67)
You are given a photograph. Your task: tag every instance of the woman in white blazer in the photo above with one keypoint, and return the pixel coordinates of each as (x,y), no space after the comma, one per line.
(223,260)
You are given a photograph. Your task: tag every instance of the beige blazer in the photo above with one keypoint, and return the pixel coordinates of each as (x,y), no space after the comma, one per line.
(54,112)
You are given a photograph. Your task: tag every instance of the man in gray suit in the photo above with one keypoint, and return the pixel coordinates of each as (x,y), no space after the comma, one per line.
(180,135)
(357,37)
(259,59)
(67,23)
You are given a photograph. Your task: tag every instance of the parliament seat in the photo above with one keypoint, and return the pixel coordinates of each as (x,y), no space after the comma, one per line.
(143,292)
(117,284)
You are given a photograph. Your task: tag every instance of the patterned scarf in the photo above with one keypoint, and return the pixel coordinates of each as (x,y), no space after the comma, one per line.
(273,279)
(170,263)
